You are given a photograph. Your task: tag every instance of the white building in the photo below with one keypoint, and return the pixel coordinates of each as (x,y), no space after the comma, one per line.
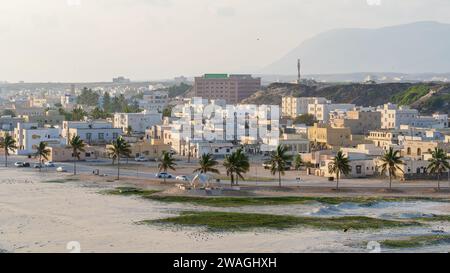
(138,122)
(322,111)
(392,116)
(29,135)
(216,122)
(92,132)
(154,100)
(294,107)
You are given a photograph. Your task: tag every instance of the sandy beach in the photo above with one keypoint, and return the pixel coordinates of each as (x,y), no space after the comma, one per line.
(37,216)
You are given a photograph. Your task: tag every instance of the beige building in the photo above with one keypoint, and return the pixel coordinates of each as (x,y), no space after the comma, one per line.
(150,150)
(65,154)
(294,107)
(231,88)
(327,136)
(51,117)
(295,144)
(417,149)
(360,121)
(384,138)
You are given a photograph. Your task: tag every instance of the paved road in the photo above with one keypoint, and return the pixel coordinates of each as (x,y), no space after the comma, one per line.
(105,167)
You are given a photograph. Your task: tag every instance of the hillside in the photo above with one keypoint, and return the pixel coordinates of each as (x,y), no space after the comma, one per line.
(427,97)
(411,48)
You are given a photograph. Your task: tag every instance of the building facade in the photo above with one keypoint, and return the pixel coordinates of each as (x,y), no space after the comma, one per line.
(138,122)
(294,107)
(231,88)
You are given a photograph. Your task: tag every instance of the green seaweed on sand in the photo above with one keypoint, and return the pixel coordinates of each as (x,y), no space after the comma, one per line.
(128,191)
(233,221)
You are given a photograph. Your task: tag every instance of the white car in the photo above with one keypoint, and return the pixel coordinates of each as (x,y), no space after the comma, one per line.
(164,175)
(141,159)
(61,170)
(49,164)
(182,178)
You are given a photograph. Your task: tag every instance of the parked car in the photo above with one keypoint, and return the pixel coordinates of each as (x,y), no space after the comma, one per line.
(22,164)
(38,166)
(61,170)
(49,164)
(182,178)
(164,175)
(141,159)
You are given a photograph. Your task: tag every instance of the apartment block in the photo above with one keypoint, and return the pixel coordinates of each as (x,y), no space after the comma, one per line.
(138,122)
(296,106)
(231,88)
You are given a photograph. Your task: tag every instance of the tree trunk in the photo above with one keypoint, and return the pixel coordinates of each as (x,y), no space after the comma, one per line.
(232,179)
(6,159)
(279,179)
(118,168)
(40,164)
(74,166)
(390,181)
(439,181)
(337,181)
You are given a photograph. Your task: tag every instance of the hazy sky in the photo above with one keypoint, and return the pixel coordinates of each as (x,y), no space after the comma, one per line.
(94,40)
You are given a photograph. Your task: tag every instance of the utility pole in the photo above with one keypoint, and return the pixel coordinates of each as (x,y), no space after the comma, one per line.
(299,71)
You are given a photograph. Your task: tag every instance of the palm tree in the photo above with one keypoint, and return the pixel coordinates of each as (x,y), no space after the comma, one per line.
(390,163)
(340,164)
(207,164)
(278,161)
(298,162)
(42,152)
(8,144)
(236,164)
(438,164)
(77,145)
(166,162)
(119,148)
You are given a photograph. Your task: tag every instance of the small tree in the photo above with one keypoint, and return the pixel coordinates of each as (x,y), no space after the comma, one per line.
(236,165)
(207,164)
(119,148)
(340,164)
(278,162)
(166,162)
(42,152)
(298,162)
(8,144)
(438,164)
(129,130)
(390,163)
(77,145)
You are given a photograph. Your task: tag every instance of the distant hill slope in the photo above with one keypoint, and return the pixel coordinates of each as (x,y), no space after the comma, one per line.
(412,48)
(427,97)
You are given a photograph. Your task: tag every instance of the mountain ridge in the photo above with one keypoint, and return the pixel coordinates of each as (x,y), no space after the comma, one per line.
(419,47)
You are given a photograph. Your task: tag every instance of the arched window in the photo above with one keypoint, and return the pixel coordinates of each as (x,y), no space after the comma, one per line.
(419,151)
(408,151)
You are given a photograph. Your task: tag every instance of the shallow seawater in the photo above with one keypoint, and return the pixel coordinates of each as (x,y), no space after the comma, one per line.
(384,210)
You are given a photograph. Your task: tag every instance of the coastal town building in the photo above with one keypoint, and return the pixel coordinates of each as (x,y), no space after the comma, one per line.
(296,106)
(324,136)
(138,122)
(231,88)
(92,132)
(29,135)
(321,111)
(154,100)
(360,121)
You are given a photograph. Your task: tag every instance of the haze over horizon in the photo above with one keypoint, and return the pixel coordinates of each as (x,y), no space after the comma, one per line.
(95,40)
